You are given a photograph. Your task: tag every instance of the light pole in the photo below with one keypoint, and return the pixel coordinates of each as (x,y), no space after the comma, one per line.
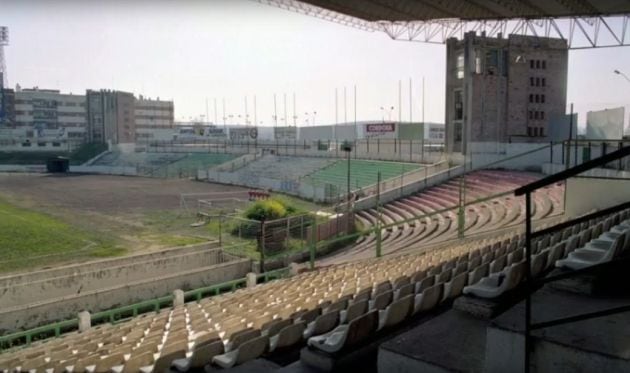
(389,113)
(623,75)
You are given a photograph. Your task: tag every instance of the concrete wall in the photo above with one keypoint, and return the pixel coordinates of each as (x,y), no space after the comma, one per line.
(105,170)
(55,309)
(99,278)
(514,156)
(22,168)
(77,269)
(604,192)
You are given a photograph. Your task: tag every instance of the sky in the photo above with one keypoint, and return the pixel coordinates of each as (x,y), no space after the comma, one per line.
(195,52)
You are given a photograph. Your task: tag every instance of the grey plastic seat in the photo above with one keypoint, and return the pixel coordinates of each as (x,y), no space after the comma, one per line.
(424,284)
(396,312)
(353,311)
(496,285)
(428,299)
(249,350)
(241,337)
(287,337)
(454,287)
(404,290)
(346,335)
(476,274)
(322,324)
(381,301)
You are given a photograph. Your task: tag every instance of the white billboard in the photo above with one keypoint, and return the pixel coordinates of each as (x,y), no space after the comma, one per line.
(605,124)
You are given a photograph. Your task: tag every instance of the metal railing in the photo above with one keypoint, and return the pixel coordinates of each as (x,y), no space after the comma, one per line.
(531,285)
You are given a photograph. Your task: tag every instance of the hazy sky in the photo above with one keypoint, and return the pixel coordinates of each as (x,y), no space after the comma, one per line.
(190,51)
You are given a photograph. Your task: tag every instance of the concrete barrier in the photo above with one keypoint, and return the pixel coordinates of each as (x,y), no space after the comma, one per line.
(55,309)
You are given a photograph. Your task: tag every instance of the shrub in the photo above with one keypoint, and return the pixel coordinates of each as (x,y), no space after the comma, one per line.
(269,209)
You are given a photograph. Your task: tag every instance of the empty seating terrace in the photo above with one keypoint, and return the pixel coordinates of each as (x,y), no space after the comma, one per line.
(326,307)
(434,224)
(283,167)
(362,173)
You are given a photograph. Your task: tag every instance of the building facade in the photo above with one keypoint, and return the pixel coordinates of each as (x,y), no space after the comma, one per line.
(503,90)
(110,116)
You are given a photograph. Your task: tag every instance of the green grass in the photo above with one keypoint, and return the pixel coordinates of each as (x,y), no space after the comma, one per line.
(29,239)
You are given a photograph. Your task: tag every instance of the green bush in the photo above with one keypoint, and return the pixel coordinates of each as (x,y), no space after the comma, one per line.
(269,209)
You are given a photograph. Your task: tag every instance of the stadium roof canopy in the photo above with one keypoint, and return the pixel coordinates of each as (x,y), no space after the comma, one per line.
(427,10)
(583,23)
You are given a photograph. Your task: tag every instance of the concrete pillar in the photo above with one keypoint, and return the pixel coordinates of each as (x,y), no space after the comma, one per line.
(251,279)
(85,321)
(178,298)
(294,268)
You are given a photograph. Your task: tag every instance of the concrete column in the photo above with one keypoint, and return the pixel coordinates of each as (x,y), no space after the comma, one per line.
(85,321)
(251,279)
(178,298)
(294,268)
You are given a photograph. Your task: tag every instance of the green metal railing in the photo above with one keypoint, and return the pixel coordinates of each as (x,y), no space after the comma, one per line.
(25,338)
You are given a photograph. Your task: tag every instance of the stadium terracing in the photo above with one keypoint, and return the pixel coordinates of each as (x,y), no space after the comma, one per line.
(457,307)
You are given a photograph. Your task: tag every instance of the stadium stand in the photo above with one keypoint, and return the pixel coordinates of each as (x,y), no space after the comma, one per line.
(283,167)
(440,202)
(281,313)
(167,165)
(362,173)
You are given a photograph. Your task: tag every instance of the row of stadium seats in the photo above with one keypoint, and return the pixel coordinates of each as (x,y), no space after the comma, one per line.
(282,167)
(362,173)
(484,216)
(265,313)
(329,309)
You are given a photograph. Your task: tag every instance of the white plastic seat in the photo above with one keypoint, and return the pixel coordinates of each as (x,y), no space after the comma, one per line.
(322,324)
(454,287)
(353,311)
(200,357)
(586,258)
(428,299)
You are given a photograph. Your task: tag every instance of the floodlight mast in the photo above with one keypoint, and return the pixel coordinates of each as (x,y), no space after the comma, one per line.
(4,41)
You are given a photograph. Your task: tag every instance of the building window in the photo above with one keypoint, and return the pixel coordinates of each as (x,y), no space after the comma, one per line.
(460,66)
(459,105)
(531,114)
(542,99)
(531,98)
(56,144)
(535,114)
(542,115)
(544,64)
(537,98)
(542,132)
(543,82)
(531,81)
(531,64)
(537,82)
(538,64)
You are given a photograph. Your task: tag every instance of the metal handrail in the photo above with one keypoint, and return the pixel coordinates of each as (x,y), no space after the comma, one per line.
(530,287)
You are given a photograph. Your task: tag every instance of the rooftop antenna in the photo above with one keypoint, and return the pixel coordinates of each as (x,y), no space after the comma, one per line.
(4,41)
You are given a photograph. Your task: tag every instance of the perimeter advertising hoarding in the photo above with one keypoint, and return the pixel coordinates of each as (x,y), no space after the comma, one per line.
(285,133)
(243,133)
(381,130)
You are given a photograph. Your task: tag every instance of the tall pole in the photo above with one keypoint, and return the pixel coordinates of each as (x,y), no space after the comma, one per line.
(570,138)
(294,114)
(345,106)
(246,112)
(255,116)
(423,125)
(285,110)
(336,115)
(275,111)
(216,116)
(399,101)
(410,102)
(207,113)
(356,129)
(224,117)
